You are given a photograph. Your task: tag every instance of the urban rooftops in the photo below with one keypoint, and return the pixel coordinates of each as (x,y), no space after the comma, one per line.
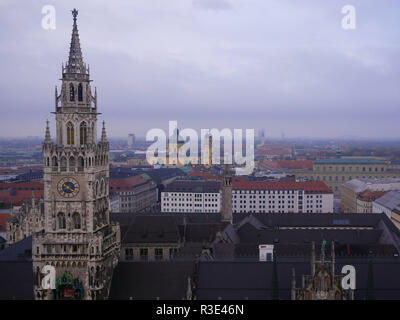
(349,161)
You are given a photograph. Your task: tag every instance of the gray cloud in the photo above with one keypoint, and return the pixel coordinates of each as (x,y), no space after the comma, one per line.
(213,4)
(277,64)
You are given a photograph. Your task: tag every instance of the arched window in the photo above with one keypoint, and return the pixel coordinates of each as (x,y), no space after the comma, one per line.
(38,276)
(70,134)
(72,164)
(92,133)
(54,163)
(63,164)
(71,92)
(61,220)
(81,163)
(76,218)
(102,188)
(80,92)
(83,133)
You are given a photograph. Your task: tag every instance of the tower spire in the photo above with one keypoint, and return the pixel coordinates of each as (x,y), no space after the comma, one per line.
(75,59)
(33,198)
(47,138)
(103,133)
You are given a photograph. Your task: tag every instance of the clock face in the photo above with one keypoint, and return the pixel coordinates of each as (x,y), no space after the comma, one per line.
(68,187)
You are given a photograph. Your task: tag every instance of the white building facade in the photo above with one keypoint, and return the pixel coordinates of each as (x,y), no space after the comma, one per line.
(282,197)
(192,196)
(248,197)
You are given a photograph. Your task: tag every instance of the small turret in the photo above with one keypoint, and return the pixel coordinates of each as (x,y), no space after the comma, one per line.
(56,97)
(189,293)
(12,218)
(103,134)
(313,259)
(33,199)
(323,251)
(95,98)
(47,139)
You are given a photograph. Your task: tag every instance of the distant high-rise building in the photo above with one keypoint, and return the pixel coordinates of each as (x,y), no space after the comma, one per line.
(262,138)
(131,140)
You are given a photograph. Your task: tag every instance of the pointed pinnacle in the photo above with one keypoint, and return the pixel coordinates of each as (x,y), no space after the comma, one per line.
(103,133)
(75,60)
(47,138)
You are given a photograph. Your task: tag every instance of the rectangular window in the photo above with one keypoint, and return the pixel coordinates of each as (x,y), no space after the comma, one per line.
(158,253)
(144,253)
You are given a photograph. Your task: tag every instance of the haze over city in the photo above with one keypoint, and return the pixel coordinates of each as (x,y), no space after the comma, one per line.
(288,188)
(285,66)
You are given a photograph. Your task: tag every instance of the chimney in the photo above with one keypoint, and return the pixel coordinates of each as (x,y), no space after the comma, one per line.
(266,252)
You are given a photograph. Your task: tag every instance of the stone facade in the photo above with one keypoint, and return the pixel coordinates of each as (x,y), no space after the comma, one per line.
(29,220)
(78,238)
(335,172)
(322,283)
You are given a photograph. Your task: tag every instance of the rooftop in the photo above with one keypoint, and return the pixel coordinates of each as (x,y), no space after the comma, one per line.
(197,186)
(361,184)
(369,195)
(349,161)
(127,183)
(390,200)
(307,186)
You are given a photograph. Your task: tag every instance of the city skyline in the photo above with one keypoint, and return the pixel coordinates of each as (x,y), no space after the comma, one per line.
(82,218)
(223,64)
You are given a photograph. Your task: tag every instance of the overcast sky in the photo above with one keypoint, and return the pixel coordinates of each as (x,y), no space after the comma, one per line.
(283,65)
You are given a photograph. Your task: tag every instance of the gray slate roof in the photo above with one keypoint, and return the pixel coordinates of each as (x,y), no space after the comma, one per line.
(389,200)
(151,280)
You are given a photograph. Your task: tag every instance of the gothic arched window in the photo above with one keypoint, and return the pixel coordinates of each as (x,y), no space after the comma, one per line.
(70,134)
(72,164)
(102,187)
(54,163)
(80,92)
(81,163)
(71,92)
(63,164)
(83,133)
(76,218)
(61,220)
(38,276)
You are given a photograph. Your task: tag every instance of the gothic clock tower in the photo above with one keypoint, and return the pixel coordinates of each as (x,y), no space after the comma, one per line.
(78,239)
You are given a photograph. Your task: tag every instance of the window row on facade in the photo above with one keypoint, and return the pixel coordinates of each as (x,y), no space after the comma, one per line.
(73,164)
